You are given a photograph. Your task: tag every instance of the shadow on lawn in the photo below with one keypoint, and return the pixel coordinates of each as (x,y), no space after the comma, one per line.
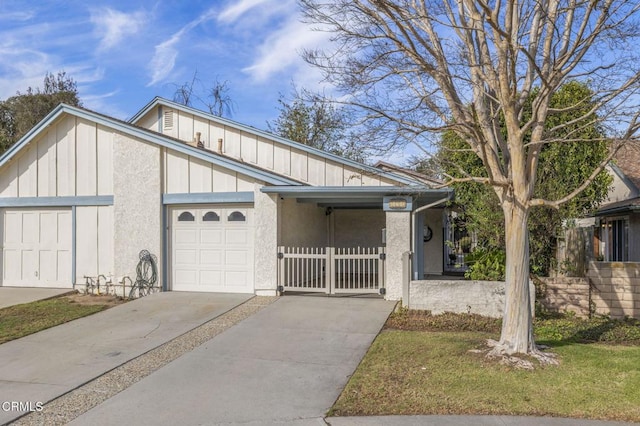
(566,330)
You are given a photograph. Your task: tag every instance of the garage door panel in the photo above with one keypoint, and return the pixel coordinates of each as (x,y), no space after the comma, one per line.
(186,236)
(211,236)
(224,251)
(211,257)
(37,248)
(186,257)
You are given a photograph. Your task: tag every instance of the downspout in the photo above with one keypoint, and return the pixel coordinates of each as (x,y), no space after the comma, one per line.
(413,227)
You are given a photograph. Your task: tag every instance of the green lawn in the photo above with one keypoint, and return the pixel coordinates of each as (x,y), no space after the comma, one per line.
(433,372)
(21,320)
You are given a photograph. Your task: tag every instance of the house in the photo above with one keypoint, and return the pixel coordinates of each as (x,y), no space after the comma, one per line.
(224,207)
(617,221)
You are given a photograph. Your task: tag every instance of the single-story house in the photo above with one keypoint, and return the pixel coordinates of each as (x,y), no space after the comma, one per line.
(224,207)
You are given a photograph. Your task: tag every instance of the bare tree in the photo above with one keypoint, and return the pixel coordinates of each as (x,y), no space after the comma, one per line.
(216,98)
(469,66)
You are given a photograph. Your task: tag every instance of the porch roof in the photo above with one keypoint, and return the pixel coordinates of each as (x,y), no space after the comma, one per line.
(358,196)
(624,206)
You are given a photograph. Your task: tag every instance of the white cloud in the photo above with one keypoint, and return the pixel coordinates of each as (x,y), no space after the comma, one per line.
(281,50)
(166,53)
(113,26)
(237,9)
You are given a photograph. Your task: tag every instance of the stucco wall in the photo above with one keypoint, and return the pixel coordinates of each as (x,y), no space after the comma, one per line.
(460,296)
(433,249)
(266,242)
(302,224)
(353,228)
(398,226)
(137,213)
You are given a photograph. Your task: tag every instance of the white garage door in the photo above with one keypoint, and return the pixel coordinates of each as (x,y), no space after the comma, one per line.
(212,249)
(36,250)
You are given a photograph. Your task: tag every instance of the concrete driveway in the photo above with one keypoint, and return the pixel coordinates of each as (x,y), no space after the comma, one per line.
(45,365)
(10,296)
(286,364)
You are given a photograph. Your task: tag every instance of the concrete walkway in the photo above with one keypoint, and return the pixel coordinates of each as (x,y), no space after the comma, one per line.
(45,365)
(10,296)
(286,364)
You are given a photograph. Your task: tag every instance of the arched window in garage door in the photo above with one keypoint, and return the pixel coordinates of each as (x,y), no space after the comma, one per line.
(186,217)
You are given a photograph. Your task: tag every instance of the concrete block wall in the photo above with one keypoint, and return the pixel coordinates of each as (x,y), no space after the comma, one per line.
(566,294)
(615,288)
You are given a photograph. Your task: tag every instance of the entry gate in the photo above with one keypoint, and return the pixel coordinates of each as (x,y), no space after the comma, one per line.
(331,270)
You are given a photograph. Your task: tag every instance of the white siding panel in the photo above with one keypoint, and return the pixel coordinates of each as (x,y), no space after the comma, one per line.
(370,179)
(47,165)
(199,175)
(232,142)
(299,165)
(9,180)
(334,174)
(105,240)
(28,172)
(352,177)
(215,132)
(150,120)
(282,159)
(177,172)
(249,149)
(265,153)
(223,180)
(86,242)
(185,127)
(245,183)
(105,161)
(317,169)
(66,156)
(203,127)
(87,173)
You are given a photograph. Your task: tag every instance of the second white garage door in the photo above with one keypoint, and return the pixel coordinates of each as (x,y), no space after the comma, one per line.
(212,249)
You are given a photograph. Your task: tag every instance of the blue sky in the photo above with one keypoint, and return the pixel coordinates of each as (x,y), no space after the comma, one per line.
(123,53)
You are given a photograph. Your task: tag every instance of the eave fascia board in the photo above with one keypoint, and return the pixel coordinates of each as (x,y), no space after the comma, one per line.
(302,147)
(351,191)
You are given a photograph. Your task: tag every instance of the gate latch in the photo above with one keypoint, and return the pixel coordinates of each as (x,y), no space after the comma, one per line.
(383,256)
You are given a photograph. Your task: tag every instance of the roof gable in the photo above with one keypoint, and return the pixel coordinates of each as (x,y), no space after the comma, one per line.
(395,177)
(149,136)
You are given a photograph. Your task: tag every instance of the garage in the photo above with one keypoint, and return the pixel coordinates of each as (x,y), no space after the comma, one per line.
(36,249)
(212,249)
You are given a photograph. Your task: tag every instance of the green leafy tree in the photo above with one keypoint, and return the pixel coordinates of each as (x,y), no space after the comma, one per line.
(19,113)
(318,123)
(563,166)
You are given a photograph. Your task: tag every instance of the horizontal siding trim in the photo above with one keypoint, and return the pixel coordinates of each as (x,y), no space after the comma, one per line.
(209,198)
(89,200)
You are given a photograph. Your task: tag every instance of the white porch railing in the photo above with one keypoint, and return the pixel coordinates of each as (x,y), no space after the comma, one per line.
(331,270)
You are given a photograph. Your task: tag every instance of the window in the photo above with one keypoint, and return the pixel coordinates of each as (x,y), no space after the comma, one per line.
(236,217)
(614,239)
(211,217)
(186,217)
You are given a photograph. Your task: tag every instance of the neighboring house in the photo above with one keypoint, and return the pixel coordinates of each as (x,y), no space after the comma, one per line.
(617,221)
(224,207)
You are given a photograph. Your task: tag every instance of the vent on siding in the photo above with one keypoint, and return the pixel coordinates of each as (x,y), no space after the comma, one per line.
(168,120)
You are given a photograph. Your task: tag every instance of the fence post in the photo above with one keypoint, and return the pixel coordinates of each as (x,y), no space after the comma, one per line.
(330,262)
(406,274)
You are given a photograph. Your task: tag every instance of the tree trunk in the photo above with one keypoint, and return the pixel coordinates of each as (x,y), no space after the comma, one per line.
(517,322)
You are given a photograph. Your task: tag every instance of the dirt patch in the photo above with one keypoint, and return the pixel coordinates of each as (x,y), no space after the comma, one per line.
(90,299)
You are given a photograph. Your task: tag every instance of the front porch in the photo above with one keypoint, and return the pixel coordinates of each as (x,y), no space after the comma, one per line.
(350,239)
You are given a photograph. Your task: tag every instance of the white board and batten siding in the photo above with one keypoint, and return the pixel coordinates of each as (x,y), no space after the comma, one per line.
(186,174)
(261,151)
(71,157)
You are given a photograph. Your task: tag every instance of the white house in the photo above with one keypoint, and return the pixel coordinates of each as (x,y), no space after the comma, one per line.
(224,207)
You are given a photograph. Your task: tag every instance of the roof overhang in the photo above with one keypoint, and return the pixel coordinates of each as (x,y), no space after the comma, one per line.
(359,196)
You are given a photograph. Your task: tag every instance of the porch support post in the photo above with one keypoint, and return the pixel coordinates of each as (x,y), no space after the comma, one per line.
(266,242)
(398,224)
